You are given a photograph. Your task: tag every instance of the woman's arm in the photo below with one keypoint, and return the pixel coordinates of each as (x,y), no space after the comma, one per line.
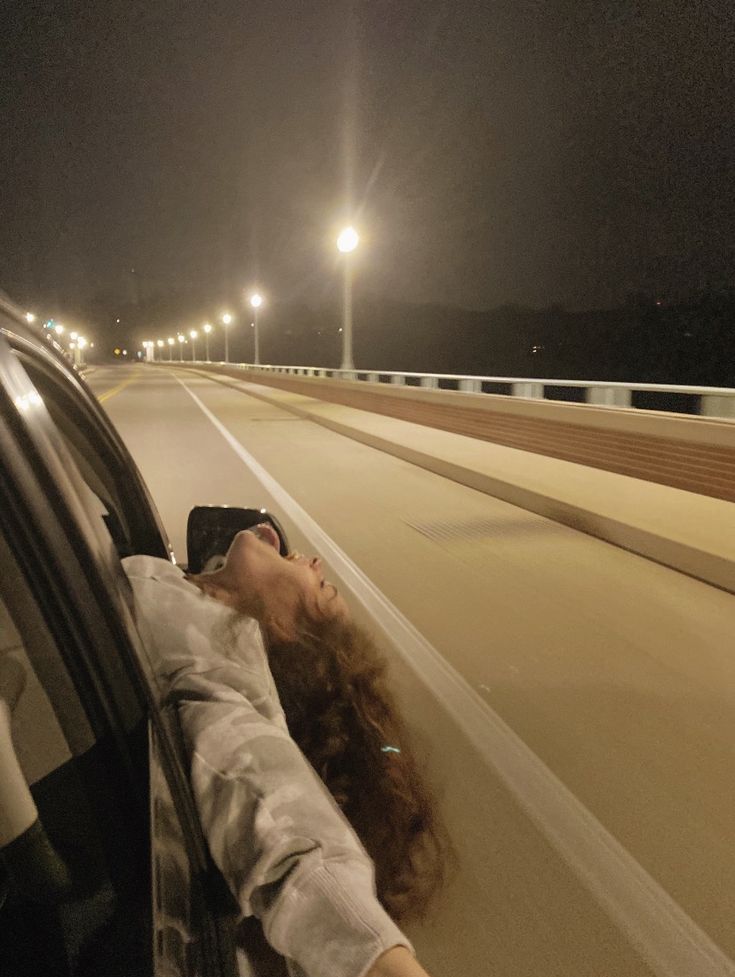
(284,848)
(398,962)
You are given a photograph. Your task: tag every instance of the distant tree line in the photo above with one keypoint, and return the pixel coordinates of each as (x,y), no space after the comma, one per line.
(650,340)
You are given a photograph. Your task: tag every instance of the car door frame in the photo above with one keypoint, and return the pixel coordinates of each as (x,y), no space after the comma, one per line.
(69,562)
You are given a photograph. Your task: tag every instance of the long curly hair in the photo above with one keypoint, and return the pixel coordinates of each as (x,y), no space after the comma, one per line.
(334,692)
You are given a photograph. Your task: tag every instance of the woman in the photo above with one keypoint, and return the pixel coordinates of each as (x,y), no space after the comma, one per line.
(278,836)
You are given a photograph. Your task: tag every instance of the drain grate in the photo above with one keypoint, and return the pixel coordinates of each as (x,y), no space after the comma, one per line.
(486,528)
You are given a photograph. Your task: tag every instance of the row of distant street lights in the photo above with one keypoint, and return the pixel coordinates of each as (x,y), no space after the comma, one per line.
(77,342)
(347,241)
(226,318)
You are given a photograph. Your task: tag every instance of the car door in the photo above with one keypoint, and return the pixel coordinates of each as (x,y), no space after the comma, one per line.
(112,874)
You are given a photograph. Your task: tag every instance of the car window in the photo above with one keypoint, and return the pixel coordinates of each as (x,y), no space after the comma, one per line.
(43,747)
(98,454)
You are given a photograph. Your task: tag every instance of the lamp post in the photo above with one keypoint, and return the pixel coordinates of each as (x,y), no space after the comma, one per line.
(256,301)
(226,320)
(159,343)
(171,342)
(193,335)
(207,329)
(181,340)
(346,243)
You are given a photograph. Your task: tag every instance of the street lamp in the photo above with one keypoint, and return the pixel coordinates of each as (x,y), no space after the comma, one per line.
(256,301)
(193,335)
(30,317)
(182,340)
(159,343)
(226,319)
(207,329)
(346,243)
(171,342)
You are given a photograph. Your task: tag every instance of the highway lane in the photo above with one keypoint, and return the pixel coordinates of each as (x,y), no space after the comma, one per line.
(616,672)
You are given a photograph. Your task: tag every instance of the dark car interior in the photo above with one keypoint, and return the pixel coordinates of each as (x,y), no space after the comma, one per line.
(75,881)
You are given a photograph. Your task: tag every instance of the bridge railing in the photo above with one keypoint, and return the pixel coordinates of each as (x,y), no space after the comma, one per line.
(706,401)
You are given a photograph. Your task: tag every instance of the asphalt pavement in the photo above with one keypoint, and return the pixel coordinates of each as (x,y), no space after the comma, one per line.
(574,701)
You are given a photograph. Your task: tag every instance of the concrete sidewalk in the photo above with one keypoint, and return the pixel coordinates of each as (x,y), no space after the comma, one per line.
(691,533)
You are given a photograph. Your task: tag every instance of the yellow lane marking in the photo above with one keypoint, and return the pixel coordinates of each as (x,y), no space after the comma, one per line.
(116,390)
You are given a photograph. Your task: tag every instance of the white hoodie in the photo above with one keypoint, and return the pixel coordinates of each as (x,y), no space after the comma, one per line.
(286,851)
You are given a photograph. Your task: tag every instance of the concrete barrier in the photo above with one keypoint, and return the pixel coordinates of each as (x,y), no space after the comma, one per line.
(693,453)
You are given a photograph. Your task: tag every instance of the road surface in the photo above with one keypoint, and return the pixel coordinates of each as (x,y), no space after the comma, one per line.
(575,702)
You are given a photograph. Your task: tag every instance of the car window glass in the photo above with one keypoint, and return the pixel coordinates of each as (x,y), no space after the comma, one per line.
(42,747)
(46,670)
(84,444)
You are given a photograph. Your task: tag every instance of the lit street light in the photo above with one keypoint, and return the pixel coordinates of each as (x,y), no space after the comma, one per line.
(193,335)
(346,243)
(182,340)
(226,319)
(256,301)
(207,329)
(30,317)
(171,342)
(159,344)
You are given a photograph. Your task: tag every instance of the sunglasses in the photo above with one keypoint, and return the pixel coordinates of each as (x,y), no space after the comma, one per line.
(210,530)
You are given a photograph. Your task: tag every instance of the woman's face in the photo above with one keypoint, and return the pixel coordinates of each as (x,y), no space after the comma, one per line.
(276,590)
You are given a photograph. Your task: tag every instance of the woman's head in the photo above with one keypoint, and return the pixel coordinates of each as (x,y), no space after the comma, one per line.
(279,592)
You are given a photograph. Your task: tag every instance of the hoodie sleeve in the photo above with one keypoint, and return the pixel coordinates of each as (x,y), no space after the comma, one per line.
(283,846)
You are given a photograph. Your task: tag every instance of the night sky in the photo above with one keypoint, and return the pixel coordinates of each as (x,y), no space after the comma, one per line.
(519,151)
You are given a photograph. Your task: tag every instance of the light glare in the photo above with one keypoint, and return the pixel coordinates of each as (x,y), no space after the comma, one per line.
(348,240)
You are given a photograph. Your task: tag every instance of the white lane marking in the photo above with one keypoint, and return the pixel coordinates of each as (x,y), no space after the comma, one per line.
(667,938)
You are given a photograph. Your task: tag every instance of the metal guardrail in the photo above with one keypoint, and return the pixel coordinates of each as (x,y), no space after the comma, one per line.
(716,402)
